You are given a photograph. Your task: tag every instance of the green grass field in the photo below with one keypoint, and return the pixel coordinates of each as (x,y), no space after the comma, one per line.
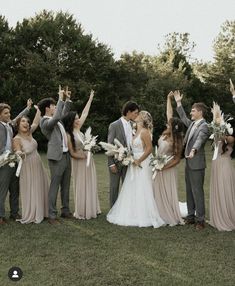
(95,252)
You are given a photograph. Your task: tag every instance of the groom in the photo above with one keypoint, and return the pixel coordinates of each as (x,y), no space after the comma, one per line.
(120,129)
(57,152)
(8,179)
(195,140)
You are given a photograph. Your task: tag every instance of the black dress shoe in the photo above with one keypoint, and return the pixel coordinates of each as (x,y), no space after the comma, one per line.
(17,216)
(189,221)
(66,215)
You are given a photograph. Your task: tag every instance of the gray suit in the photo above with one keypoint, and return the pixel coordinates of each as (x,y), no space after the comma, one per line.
(234,99)
(116,130)
(59,162)
(195,167)
(8,179)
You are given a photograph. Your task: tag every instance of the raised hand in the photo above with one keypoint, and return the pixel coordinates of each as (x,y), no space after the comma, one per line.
(29,103)
(170,94)
(232,87)
(178,97)
(61,93)
(67,93)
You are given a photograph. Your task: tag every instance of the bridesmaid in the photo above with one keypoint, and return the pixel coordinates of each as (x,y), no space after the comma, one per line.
(34,184)
(222,186)
(84,178)
(165,183)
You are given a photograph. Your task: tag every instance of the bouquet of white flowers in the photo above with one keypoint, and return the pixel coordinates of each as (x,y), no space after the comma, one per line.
(219,127)
(158,161)
(11,159)
(118,151)
(89,144)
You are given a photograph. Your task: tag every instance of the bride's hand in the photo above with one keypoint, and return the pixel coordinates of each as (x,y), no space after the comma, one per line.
(137,163)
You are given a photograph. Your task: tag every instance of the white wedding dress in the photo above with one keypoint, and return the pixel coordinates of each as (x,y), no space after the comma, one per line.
(135,205)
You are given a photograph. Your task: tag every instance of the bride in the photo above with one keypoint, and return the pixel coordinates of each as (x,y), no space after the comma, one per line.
(135,205)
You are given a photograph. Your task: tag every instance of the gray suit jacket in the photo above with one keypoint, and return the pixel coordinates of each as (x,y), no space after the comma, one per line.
(52,131)
(3,130)
(234,99)
(197,141)
(116,130)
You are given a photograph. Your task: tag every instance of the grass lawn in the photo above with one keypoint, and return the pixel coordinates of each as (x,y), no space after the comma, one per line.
(95,252)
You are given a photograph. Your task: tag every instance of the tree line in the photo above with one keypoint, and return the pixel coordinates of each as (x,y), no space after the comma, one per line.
(50,48)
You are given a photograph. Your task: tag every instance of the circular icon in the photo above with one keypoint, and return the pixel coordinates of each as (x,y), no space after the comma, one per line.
(15,273)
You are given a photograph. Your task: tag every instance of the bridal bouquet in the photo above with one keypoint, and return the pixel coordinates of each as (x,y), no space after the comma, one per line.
(219,127)
(11,159)
(89,144)
(158,162)
(118,151)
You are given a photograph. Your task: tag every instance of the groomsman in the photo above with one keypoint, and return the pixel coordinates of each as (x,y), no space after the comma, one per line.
(120,129)
(195,139)
(8,180)
(57,152)
(232,90)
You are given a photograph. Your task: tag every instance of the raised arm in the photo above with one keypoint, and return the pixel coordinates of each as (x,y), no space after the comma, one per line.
(232,89)
(85,111)
(169,109)
(36,120)
(178,98)
(25,112)
(49,124)
(68,102)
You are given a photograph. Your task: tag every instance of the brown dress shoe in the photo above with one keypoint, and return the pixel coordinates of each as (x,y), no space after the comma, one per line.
(200,225)
(2,221)
(67,215)
(53,221)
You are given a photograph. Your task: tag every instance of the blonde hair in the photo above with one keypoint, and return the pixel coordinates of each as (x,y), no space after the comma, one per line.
(147,120)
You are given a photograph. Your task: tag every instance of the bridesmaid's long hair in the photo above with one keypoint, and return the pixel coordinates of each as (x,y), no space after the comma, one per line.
(68,121)
(177,129)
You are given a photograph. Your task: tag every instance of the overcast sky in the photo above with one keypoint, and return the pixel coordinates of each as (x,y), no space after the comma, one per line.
(127,25)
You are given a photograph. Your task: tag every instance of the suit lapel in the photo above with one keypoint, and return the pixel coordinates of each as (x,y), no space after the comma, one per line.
(195,133)
(122,131)
(187,133)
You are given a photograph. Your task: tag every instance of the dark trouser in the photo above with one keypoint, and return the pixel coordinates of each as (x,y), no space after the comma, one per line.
(9,181)
(60,177)
(195,193)
(114,184)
